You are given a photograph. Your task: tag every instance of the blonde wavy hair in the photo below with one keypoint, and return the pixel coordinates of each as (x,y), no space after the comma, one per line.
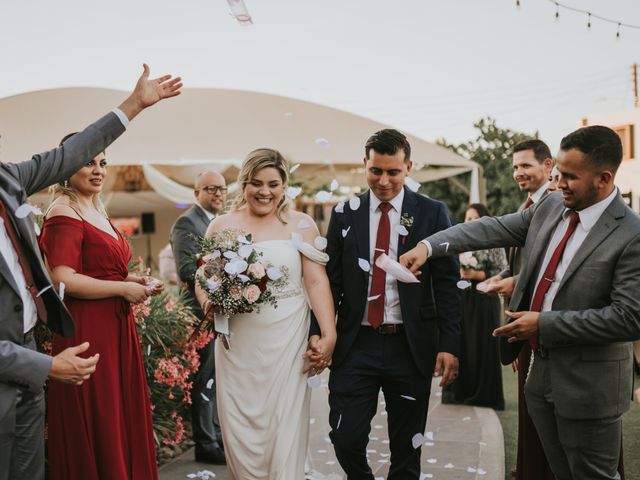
(64,188)
(254,162)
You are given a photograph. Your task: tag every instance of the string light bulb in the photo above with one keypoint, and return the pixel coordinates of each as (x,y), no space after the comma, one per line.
(589,20)
(618,32)
(517,3)
(557,12)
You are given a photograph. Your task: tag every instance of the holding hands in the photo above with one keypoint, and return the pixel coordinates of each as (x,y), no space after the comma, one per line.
(415,258)
(319,353)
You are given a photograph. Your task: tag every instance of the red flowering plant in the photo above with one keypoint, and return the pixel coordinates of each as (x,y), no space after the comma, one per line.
(234,275)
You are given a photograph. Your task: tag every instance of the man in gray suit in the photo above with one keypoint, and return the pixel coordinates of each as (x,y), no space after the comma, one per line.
(26,292)
(210,192)
(576,301)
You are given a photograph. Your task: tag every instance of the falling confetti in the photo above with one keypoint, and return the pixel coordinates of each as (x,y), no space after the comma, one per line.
(463,284)
(25,209)
(401,230)
(364,265)
(293,192)
(323,142)
(371,299)
(294,168)
(210,384)
(339,207)
(354,203)
(61,290)
(417,440)
(314,382)
(412,184)
(432,460)
(345,231)
(320,242)
(408,397)
(204,397)
(304,224)
(334,185)
(339,422)
(323,196)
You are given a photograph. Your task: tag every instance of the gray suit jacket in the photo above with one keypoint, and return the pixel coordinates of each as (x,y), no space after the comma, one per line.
(596,311)
(20,366)
(191,224)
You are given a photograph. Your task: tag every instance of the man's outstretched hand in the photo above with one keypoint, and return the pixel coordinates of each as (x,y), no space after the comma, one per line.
(150,91)
(69,367)
(415,258)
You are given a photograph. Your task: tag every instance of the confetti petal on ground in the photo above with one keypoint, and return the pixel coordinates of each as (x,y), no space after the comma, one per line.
(371,450)
(429,436)
(408,397)
(354,203)
(429,444)
(364,265)
(417,440)
(411,184)
(425,475)
(466,419)
(482,471)
(294,168)
(323,196)
(383,460)
(482,444)
(345,231)
(377,427)
(339,207)
(312,421)
(463,284)
(329,462)
(449,465)
(323,142)
(204,397)
(322,450)
(293,192)
(314,381)
(386,441)
(210,383)
(61,290)
(471,470)
(334,185)
(320,242)
(304,224)
(432,460)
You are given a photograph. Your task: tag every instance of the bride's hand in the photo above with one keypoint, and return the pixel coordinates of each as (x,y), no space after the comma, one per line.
(319,353)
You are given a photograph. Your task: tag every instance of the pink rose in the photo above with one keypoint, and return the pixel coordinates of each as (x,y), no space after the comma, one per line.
(251,293)
(256,270)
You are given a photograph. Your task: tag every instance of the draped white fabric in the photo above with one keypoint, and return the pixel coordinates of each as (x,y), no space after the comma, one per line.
(166,187)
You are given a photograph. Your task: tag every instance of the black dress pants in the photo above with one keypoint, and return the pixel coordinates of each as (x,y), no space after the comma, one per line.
(378,361)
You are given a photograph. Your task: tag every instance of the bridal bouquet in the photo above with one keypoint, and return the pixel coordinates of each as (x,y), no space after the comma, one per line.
(234,275)
(469,261)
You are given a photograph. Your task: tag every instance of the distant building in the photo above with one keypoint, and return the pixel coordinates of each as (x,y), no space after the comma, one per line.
(627,125)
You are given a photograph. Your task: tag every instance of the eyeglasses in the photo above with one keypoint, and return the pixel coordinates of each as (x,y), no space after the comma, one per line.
(213,189)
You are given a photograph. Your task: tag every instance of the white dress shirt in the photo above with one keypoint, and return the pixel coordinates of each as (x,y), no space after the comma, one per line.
(588,218)
(537,195)
(10,256)
(392,312)
(209,215)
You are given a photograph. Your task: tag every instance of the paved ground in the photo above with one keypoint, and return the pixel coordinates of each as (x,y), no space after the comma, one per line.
(461,443)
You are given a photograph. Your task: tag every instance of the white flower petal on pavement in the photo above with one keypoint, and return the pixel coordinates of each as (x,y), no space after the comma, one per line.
(345,231)
(449,466)
(466,419)
(364,265)
(312,421)
(411,184)
(304,224)
(210,384)
(293,192)
(320,242)
(329,462)
(423,476)
(274,273)
(314,381)
(354,203)
(482,471)
(463,284)
(322,450)
(432,460)
(472,470)
(429,436)
(377,427)
(61,290)
(401,230)
(323,142)
(323,196)
(339,207)
(334,185)
(417,440)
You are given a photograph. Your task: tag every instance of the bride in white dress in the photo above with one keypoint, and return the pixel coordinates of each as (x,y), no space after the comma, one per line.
(262,393)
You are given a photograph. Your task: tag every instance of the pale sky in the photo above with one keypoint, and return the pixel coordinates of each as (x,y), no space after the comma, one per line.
(429,67)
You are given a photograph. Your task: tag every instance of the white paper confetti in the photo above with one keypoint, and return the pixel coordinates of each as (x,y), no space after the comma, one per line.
(432,460)
(449,465)
(294,168)
(371,299)
(364,265)
(320,242)
(323,196)
(322,450)
(339,422)
(383,460)
(312,421)
(245,251)
(377,427)
(463,284)
(334,185)
(25,209)
(204,397)
(148,350)
(36,228)
(293,192)
(482,444)
(304,224)
(401,230)
(385,441)
(323,142)
(482,471)
(417,440)
(329,462)
(446,246)
(210,384)
(61,290)
(354,203)
(429,436)
(314,382)
(371,450)
(339,207)
(242,239)
(230,254)
(466,419)
(274,273)
(471,470)
(411,184)
(345,231)
(43,290)
(425,475)
(408,397)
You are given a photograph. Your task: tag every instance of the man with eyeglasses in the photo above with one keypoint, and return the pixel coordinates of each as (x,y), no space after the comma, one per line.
(210,192)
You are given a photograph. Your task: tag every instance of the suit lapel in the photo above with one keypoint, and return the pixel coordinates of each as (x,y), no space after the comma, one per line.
(199,213)
(604,227)
(409,211)
(10,206)
(361,227)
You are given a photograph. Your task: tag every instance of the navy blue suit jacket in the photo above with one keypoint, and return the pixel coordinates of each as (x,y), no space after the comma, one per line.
(430,309)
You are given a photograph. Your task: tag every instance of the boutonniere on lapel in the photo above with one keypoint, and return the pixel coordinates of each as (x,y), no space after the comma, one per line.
(406,222)
(24,210)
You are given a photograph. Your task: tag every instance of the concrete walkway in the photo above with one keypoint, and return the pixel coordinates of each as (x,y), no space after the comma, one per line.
(461,443)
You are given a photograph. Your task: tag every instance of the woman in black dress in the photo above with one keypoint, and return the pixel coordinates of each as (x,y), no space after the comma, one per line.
(480,378)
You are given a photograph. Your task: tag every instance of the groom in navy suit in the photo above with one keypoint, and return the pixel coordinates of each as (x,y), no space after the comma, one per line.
(391,336)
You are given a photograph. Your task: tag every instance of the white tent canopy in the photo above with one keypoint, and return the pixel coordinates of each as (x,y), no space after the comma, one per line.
(214,129)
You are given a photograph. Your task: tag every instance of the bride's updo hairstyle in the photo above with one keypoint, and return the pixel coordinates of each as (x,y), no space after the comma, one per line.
(256,161)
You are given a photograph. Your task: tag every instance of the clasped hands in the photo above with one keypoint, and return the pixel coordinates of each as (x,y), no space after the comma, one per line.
(319,353)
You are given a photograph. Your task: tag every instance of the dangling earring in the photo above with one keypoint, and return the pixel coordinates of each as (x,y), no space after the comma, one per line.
(66,184)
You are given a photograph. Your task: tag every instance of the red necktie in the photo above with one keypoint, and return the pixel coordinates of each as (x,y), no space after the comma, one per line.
(550,272)
(24,264)
(376,307)
(528,203)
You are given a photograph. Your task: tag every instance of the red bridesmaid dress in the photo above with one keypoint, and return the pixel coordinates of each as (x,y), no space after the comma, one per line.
(101,429)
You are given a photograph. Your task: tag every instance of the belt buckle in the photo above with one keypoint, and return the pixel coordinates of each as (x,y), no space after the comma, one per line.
(388,329)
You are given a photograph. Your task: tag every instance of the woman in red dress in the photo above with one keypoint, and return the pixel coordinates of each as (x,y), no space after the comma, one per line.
(101,429)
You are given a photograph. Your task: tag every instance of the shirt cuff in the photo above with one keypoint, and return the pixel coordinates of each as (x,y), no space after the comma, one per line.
(429,249)
(123,118)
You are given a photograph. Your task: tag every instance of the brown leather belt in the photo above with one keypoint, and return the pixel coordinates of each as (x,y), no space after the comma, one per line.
(388,328)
